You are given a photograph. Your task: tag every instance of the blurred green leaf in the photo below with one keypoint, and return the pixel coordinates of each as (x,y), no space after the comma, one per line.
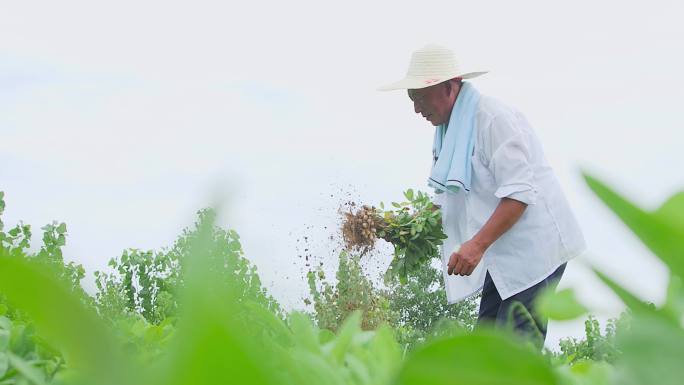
(4,363)
(359,370)
(279,331)
(304,333)
(481,358)
(4,340)
(386,355)
(56,311)
(674,301)
(651,352)
(625,295)
(587,372)
(673,210)
(560,305)
(350,327)
(314,369)
(325,336)
(29,372)
(662,231)
(212,346)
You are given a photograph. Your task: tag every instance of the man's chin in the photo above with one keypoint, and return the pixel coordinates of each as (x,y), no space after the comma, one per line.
(433,122)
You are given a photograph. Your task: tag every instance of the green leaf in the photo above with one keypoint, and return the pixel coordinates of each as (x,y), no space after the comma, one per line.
(32,374)
(4,363)
(386,353)
(627,297)
(325,336)
(350,327)
(672,210)
(210,345)
(651,352)
(61,229)
(303,332)
(587,372)
(358,369)
(481,358)
(674,301)
(313,369)
(662,231)
(55,310)
(5,323)
(279,330)
(560,305)
(4,340)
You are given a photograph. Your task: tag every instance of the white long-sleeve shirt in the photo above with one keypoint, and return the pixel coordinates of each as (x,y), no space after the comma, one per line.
(508,161)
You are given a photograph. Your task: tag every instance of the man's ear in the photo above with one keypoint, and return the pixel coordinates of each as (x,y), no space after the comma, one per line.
(452,84)
(448,86)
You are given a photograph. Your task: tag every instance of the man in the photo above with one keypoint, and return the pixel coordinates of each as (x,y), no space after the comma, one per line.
(511,230)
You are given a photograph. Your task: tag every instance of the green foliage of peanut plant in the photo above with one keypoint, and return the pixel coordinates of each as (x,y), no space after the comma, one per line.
(351,291)
(226,333)
(416,311)
(414,228)
(24,355)
(422,308)
(595,345)
(147,282)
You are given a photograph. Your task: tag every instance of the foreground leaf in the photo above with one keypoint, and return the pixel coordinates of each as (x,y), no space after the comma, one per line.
(651,352)
(62,319)
(481,358)
(661,231)
(560,305)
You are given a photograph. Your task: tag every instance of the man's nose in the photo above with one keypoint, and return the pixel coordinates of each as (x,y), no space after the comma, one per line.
(416,107)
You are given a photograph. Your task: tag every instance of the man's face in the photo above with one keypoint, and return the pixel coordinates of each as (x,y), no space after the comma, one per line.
(435,102)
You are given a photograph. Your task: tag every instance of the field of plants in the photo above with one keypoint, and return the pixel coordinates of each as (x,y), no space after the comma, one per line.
(197,313)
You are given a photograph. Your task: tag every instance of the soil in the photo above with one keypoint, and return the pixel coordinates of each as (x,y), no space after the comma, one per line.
(360,226)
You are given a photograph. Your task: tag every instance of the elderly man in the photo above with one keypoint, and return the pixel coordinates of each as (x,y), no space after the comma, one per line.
(511,230)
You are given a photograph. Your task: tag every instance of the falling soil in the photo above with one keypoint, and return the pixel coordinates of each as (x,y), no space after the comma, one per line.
(318,251)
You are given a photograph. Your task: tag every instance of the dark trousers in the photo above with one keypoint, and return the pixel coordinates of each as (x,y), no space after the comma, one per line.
(518,311)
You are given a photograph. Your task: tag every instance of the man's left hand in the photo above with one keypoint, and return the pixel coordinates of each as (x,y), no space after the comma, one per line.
(465,260)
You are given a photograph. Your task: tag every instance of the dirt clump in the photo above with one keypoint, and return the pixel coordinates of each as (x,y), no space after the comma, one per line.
(360,228)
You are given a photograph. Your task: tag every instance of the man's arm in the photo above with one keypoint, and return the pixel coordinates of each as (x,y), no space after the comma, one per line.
(464,261)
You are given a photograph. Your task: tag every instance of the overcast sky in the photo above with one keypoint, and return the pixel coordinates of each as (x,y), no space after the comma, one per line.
(122,118)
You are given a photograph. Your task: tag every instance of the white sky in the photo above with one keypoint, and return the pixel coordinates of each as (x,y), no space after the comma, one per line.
(123,118)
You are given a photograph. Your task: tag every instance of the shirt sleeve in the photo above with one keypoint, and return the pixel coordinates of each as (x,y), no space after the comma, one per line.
(510,162)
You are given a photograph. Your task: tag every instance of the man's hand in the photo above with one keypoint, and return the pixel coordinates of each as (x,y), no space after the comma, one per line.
(465,260)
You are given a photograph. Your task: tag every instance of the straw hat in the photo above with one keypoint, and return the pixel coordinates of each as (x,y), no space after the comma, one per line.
(430,65)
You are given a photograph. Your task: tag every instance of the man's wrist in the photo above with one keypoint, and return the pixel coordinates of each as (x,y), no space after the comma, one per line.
(481,244)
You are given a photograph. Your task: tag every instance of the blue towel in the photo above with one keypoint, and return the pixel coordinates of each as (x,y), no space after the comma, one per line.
(453,147)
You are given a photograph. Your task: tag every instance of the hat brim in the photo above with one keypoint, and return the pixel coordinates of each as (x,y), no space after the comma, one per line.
(414,83)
